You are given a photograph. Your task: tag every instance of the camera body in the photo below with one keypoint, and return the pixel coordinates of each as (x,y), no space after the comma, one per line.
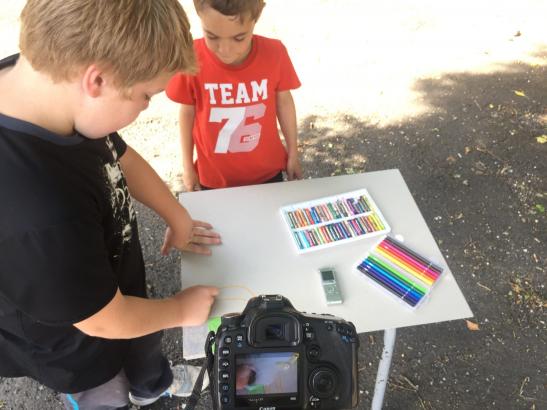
(273,357)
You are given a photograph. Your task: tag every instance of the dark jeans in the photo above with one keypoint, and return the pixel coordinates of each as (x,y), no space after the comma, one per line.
(146,373)
(277,178)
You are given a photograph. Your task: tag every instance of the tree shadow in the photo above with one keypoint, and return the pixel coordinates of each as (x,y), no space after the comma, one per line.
(478,174)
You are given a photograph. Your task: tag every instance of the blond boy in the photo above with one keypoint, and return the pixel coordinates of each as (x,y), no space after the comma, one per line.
(230,109)
(73,308)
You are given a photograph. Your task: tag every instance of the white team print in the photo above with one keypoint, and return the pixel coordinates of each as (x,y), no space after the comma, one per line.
(244,94)
(119,194)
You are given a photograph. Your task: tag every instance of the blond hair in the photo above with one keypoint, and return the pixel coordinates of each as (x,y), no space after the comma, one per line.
(134,40)
(240,8)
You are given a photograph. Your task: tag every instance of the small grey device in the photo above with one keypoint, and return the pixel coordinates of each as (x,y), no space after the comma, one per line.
(330,287)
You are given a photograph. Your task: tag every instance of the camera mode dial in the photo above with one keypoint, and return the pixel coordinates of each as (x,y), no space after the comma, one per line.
(230,320)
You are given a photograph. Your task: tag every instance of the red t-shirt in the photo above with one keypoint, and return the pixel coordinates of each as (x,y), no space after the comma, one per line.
(235,123)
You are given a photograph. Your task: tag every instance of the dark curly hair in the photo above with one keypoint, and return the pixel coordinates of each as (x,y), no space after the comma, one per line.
(240,8)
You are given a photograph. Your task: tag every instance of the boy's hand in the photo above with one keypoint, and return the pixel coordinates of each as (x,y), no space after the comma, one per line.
(195,304)
(190,180)
(294,170)
(200,237)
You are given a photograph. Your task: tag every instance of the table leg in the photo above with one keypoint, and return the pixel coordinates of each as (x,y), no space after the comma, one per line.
(383,369)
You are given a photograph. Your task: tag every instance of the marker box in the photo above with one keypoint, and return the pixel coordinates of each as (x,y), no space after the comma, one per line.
(332,220)
(400,271)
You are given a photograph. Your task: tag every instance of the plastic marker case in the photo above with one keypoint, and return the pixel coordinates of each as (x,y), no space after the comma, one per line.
(400,271)
(329,221)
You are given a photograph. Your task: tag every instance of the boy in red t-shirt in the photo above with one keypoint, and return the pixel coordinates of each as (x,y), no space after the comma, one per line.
(229,110)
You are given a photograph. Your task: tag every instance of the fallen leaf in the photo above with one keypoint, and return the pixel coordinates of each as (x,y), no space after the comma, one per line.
(540,208)
(472,326)
(520,93)
(467,150)
(542,139)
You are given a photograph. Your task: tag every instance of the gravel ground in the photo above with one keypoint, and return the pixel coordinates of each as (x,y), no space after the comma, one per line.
(455,96)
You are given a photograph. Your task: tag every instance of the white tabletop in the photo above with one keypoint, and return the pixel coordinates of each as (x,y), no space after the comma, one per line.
(257,255)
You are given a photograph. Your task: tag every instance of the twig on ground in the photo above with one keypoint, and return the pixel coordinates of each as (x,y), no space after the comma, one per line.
(413,388)
(527,398)
(485,287)
(487,151)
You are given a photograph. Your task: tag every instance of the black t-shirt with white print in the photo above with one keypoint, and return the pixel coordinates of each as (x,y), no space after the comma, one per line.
(68,240)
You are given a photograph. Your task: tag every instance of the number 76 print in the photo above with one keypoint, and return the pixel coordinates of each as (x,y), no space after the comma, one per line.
(236,135)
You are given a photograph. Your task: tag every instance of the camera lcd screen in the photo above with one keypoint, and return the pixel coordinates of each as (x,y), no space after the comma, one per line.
(266,373)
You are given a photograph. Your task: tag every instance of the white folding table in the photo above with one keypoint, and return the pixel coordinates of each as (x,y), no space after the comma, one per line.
(258,256)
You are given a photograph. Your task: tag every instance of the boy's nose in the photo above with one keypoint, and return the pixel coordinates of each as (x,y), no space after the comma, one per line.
(224,49)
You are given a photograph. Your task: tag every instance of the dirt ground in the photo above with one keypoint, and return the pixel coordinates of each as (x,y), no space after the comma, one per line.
(455,96)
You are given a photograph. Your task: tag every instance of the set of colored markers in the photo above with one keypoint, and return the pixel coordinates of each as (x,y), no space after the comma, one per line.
(401,271)
(332,220)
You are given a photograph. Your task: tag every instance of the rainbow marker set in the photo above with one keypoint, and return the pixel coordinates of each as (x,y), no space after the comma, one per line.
(401,271)
(328,221)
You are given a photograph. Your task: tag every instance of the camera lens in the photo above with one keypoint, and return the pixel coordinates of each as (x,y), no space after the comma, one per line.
(323,382)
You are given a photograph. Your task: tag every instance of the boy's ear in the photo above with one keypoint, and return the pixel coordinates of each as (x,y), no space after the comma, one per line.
(93,81)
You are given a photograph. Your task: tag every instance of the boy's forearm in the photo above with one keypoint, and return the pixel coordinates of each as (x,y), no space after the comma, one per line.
(145,316)
(286,114)
(127,317)
(186,125)
(146,186)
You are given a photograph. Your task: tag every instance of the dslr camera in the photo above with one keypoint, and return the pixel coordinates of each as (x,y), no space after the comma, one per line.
(273,357)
